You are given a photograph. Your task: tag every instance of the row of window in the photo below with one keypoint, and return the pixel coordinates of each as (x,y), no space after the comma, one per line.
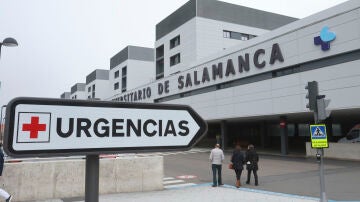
(92,95)
(324,62)
(175,59)
(93,88)
(237,35)
(123,79)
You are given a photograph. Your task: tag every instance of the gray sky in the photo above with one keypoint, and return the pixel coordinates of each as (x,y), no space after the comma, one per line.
(62,41)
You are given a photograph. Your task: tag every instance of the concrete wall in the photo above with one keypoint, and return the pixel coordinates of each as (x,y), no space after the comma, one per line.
(66,178)
(139,73)
(279,95)
(337,151)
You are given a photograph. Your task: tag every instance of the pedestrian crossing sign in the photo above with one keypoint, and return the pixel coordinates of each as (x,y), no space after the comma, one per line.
(318,136)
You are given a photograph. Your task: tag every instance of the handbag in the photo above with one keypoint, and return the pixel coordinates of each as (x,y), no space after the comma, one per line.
(231,166)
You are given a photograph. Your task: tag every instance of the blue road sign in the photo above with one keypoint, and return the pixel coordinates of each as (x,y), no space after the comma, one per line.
(318,136)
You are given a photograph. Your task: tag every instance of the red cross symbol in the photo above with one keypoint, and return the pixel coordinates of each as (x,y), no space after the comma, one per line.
(34,127)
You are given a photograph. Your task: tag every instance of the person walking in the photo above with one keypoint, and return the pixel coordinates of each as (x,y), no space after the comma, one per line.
(238,160)
(216,158)
(252,159)
(3,193)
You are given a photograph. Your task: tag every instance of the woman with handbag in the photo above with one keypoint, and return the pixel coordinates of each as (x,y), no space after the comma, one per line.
(237,160)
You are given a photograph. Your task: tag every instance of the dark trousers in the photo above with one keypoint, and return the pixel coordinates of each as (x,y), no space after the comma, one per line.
(217,168)
(238,173)
(255,176)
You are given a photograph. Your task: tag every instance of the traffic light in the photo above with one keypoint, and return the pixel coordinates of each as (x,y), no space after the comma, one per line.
(313,92)
(322,113)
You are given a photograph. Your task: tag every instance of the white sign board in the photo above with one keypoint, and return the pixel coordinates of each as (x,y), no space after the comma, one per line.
(43,127)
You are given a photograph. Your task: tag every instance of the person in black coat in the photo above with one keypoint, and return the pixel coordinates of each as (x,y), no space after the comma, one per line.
(252,159)
(237,159)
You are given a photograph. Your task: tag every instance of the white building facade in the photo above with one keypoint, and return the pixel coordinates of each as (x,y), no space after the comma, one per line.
(247,90)
(78,91)
(65,95)
(97,84)
(203,27)
(131,62)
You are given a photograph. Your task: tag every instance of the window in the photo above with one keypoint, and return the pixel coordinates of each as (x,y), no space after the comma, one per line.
(226,34)
(336,130)
(93,87)
(89,97)
(160,51)
(89,89)
(116,86)
(175,59)
(237,35)
(159,69)
(93,94)
(116,74)
(175,42)
(123,79)
(353,134)
(244,37)
(159,62)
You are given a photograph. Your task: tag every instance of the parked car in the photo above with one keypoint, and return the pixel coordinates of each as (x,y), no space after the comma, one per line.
(353,136)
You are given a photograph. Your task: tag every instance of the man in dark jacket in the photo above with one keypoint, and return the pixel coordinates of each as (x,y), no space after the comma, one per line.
(252,159)
(237,159)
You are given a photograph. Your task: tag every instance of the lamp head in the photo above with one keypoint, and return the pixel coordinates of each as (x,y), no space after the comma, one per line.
(10,42)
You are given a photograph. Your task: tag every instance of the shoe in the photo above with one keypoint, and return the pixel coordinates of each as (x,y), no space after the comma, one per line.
(9,199)
(238,184)
(221,184)
(213,185)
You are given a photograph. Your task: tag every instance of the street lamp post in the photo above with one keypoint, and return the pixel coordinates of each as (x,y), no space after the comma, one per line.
(10,42)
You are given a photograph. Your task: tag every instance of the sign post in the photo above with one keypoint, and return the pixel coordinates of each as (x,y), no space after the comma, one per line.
(38,127)
(92,178)
(318,104)
(319,141)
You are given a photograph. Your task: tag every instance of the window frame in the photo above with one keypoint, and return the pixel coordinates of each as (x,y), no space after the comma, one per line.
(173,60)
(174,42)
(116,86)
(116,74)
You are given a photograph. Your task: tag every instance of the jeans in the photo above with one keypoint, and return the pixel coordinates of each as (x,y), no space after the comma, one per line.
(217,168)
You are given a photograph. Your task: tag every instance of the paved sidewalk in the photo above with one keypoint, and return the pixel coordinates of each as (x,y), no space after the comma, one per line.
(204,192)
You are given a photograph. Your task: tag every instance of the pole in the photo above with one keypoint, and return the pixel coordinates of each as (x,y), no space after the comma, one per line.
(322,177)
(320,152)
(92,178)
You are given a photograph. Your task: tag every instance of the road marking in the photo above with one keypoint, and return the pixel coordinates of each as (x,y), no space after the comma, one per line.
(179,185)
(172,181)
(186,177)
(168,178)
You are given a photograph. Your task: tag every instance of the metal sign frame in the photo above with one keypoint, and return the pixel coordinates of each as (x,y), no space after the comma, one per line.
(10,119)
